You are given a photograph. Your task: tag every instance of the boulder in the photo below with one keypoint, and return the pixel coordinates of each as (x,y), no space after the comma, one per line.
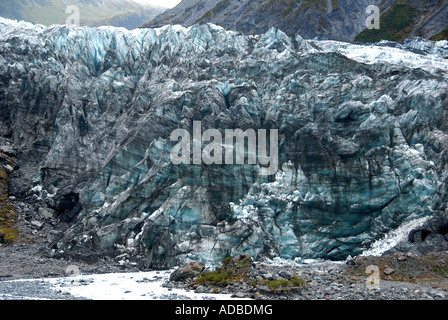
(47,213)
(37,224)
(8,149)
(187,272)
(389,271)
(67,205)
(430,237)
(285,274)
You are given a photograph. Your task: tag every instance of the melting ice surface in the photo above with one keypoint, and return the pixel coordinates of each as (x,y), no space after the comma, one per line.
(392,238)
(128,286)
(395,56)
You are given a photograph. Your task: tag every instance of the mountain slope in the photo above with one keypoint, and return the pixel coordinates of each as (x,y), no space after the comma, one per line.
(119,13)
(443,35)
(333,19)
(406,19)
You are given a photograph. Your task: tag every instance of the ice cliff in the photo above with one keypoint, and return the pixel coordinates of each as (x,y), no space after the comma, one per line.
(362,139)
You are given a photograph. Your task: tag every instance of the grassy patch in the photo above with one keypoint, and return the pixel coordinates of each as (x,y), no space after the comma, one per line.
(8,218)
(219,276)
(232,270)
(8,230)
(237,270)
(443,35)
(283,284)
(219,7)
(395,25)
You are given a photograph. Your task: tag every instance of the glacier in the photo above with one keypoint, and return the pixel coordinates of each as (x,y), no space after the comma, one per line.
(362,139)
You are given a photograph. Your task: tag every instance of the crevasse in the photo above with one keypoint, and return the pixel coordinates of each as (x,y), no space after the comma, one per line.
(362,139)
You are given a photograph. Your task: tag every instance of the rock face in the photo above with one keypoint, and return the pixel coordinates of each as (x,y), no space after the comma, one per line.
(362,139)
(327,19)
(339,20)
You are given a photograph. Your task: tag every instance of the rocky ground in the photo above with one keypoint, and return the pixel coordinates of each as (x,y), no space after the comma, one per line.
(27,257)
(333,281)
(402,276)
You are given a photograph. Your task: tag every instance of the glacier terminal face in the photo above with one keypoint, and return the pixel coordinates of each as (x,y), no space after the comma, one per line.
(362,139)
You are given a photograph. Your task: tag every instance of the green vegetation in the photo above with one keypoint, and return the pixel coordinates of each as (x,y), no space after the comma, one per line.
(288,6)
(218,276)
(232,270)
(237,269)
(335,4)
(283,284)
(322,23)
(8,229)
(220,7)
(395,25)
(315,3)
(443,35)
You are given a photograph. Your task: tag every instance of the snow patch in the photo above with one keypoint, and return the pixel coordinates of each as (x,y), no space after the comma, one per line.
(392,238)
(371,54)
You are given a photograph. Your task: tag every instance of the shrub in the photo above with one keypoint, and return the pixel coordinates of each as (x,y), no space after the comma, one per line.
(231,270)
(396,25)
(443,35)
(8,229)
(283,284)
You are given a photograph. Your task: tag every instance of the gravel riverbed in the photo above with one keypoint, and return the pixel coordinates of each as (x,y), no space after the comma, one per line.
(26,273)
(328,281)
(24,277)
